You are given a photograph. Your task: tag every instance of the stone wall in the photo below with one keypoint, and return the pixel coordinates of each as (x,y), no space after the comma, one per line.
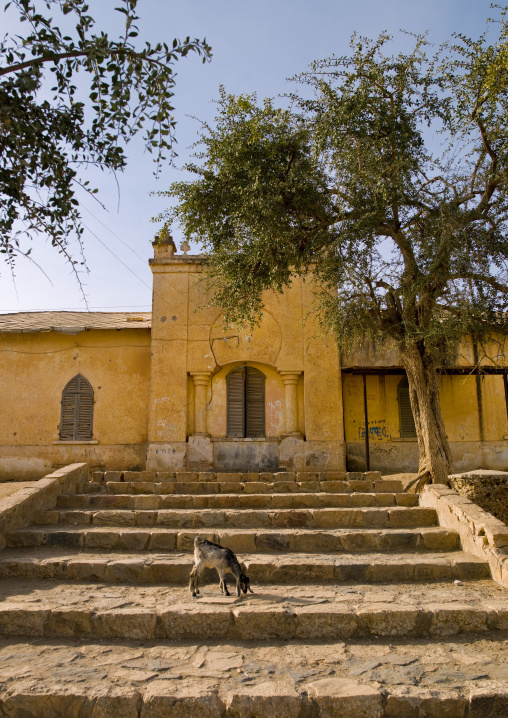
(488,489)
(17,511)
(481,534)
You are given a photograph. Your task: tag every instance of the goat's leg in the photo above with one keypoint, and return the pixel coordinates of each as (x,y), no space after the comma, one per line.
(193,583)
(222,583)
(237,575)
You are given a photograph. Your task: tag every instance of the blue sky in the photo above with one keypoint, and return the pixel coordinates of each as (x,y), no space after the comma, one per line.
(256,46)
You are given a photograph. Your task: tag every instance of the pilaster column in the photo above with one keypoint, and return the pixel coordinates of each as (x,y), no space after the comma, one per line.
(290,380)
(201,381)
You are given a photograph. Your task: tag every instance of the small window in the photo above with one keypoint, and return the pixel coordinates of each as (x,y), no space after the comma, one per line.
(407,422)
(246,403)
(77,410)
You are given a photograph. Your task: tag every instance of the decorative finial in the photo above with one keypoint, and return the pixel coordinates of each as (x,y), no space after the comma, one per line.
(164,244)
(185,247)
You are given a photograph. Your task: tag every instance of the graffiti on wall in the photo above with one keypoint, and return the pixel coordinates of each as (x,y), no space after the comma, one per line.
(377,431)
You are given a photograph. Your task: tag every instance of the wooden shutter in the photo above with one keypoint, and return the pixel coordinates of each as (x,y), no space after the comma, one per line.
(236,403)
(254,403)
(407,422)
(77,410)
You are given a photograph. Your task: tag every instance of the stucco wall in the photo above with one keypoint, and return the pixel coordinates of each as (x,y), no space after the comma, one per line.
(474,442)
(190,338)
(35,369)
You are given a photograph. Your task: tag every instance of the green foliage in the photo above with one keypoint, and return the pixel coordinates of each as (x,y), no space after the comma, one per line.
(389,178)
(44,143)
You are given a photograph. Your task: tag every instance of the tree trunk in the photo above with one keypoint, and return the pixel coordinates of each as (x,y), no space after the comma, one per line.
(435,454)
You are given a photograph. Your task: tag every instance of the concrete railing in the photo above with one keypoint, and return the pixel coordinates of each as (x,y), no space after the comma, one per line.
(481,534)
(17,511)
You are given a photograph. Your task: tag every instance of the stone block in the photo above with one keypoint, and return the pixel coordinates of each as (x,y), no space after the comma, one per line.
(325,622)
(196,700)
(263,623)
(372,476)
(138,487)
(389,620)
(164,476)
(335,486)
(297,518)
(119,487)
(113,704)
(440,540)
(146,502)
(272,699)
(83,569)
(344,698)
(404,499)
(164,487)
(363,500)
(128,623)
(231,487)
(238,542)
(454,620)
(104,540)
(124,571)
(114,518)
(133,540)
(249,477)
(308,486)
(206,476)
(488,702)
(229,477)
(39,703)
(333,476)
(113,476)
(266,476)
(417,516)
(413,702)
(68,623)
(284,476)
(304,476)
(183,477)
(272,542)
(360,485)
(255,487)
(162,541)
(16,621)
(208,623)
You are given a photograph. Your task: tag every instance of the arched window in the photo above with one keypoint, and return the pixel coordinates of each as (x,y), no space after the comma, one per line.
(246,402)
(77,410)
(407,422)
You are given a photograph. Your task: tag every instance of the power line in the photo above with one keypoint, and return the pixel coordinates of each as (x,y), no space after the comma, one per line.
(141,259)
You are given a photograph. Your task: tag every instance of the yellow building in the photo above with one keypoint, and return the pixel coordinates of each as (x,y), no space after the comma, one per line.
(178,390)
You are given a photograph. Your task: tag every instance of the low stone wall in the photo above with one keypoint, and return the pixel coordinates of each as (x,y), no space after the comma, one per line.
(488,489)
(481,534)
(17,511)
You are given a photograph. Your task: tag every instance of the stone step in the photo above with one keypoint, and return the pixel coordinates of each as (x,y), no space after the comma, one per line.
(236,501)
(274,612)
(458,677)
(72,565)
(363,478)
(396,517)
(240,541)
(242,487)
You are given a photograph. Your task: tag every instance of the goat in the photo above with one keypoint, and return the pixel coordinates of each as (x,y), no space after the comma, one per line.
(210,555)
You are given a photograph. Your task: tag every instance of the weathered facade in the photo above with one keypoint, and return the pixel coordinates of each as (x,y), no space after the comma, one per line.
(178,390)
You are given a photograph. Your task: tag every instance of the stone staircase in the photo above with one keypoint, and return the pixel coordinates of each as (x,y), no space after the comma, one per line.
(359,594)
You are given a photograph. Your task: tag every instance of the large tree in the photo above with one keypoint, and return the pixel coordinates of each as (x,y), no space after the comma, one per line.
(52,127)
(390,178)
